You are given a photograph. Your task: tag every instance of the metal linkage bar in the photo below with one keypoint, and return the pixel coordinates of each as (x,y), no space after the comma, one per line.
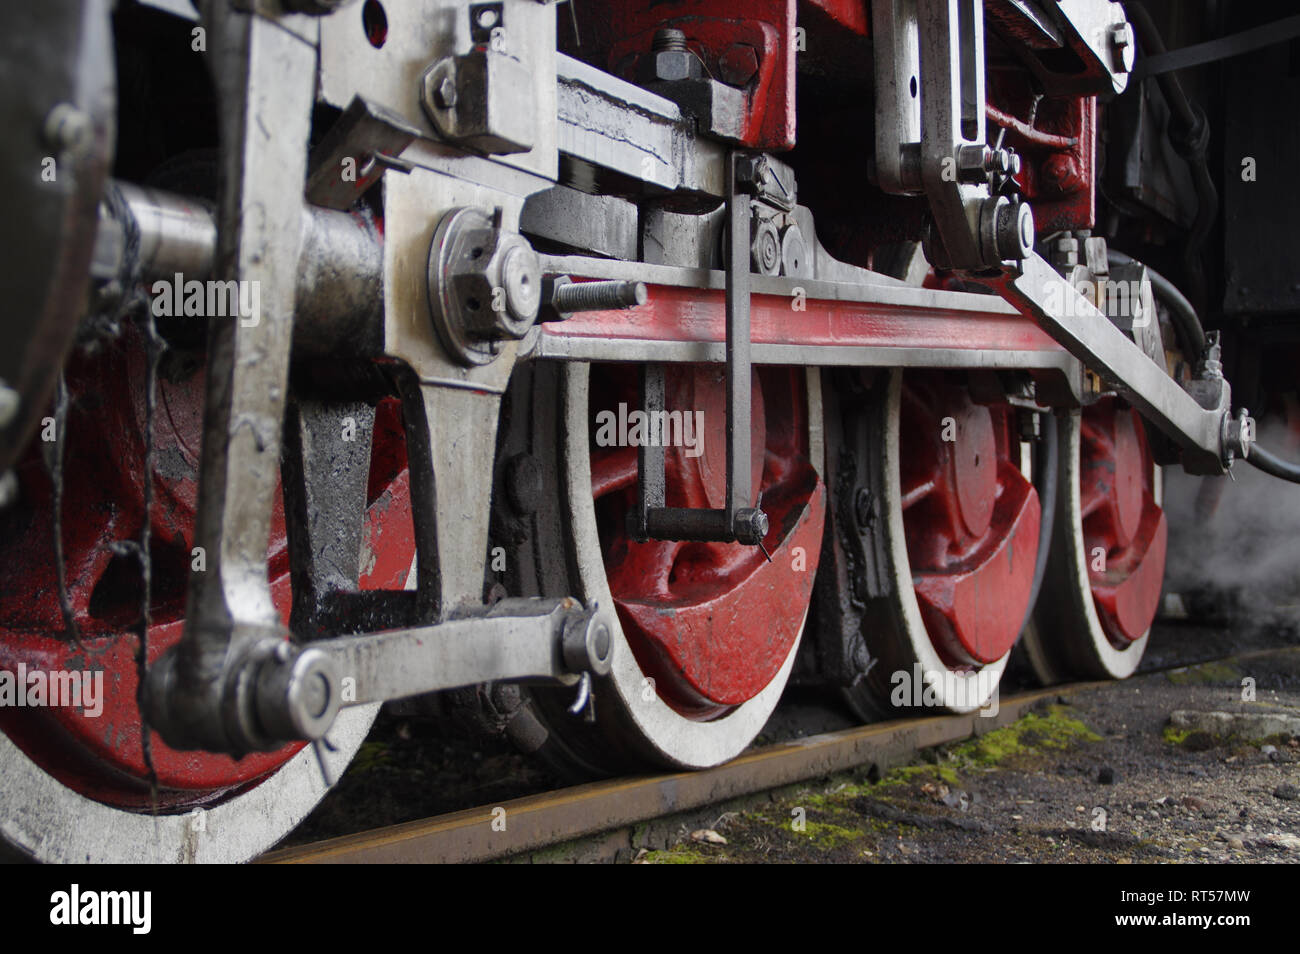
(547,640)
(793,321)
(555,641)
(738,521)
(1203,425)
(807,322)
(197,694)
(650,487)
(633,140)
(738,352)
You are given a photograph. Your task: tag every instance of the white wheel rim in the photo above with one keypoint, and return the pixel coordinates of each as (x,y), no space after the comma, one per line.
(954,691)
(46,821)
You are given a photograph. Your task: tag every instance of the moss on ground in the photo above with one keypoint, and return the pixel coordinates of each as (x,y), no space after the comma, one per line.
(370,756)
(676,855)
(1205,674)
(1028,735)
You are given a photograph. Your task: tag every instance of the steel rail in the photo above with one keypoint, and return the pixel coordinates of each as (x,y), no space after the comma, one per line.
(550,818)
(536,821)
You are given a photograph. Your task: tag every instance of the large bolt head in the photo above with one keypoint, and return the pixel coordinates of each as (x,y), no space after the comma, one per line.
(1015,224)
(1238,433)
(485,285)
(521,277)
(297,697)
(587,644)
(498,280)
(749,525)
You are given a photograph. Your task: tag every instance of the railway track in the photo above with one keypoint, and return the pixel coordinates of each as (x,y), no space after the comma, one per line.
(548,818)
(516,826)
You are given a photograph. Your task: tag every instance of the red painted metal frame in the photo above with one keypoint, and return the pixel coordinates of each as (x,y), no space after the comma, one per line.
(1058,150)
(853,15)
(698,315)
(722,33)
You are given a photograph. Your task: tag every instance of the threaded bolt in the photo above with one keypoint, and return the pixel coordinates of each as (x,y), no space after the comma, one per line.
(750,525)
(597,296)
(668,39)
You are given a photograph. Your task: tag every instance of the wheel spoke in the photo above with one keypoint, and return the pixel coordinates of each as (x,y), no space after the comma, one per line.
(613,469)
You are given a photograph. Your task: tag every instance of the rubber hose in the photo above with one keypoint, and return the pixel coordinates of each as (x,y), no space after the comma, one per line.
(1273,465)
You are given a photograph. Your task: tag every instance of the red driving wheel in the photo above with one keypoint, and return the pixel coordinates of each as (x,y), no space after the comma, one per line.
(970,516)
(711,623)
(99,755)
(955,524)
(1102,587)
(1124,529)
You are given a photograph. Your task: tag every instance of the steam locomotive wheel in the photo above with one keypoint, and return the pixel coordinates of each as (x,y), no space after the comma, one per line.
(708,631)
(959,523)
(1101,589)
(76,785)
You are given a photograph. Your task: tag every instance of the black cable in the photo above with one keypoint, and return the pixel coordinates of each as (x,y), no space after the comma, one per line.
(1273,465)
(1049,459)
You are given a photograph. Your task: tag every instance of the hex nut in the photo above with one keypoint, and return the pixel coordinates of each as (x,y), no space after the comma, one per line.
(497,279)
(438,90)
(485,285)
(666,66)
(738,64)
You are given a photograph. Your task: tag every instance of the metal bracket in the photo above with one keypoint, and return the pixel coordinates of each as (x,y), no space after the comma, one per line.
(1043,35)
(372,137)
(930,134)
